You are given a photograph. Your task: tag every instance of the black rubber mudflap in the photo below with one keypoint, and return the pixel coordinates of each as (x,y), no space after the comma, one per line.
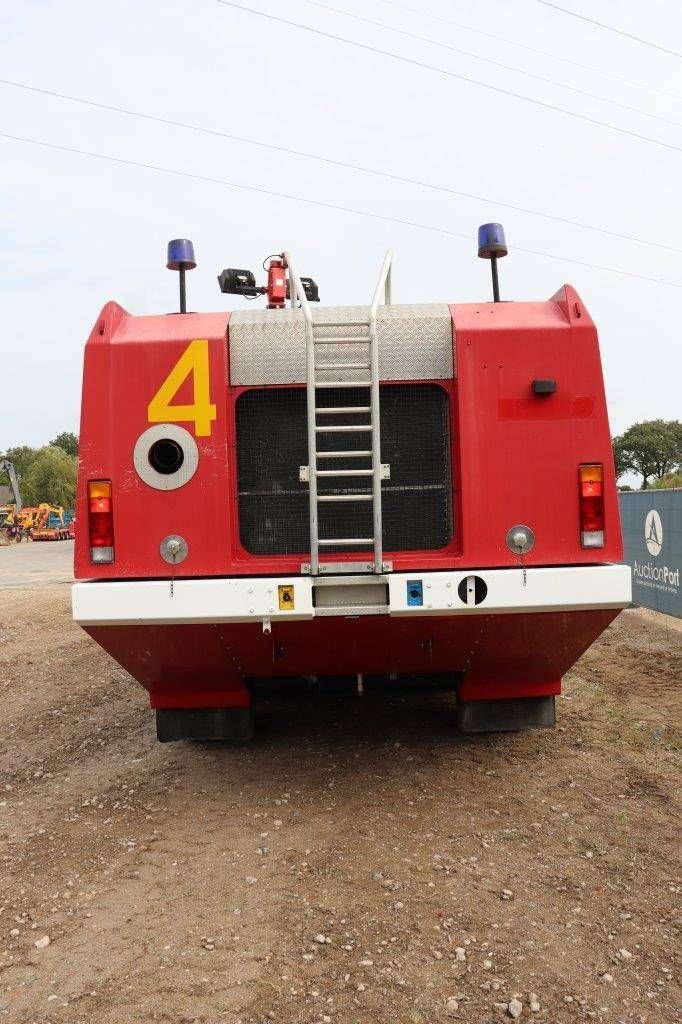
(505,715)
(203,724)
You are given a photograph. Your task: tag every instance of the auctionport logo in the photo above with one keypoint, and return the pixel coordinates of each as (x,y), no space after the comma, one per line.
(649,574)
(653,532)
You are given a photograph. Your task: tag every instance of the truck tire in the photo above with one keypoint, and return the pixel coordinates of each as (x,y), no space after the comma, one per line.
(225,724)
(505,715)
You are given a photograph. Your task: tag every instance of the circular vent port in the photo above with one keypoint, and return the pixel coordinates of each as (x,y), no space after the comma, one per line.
(166,456)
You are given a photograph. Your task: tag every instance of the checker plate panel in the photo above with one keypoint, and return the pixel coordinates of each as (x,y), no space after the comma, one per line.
(416,342)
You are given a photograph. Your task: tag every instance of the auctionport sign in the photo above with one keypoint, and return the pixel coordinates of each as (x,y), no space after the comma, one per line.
(652,538)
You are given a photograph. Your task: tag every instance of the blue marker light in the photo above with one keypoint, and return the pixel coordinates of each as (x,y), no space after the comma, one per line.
(415,593)
(181,255)
(492,245)
(181,258)
(491,241)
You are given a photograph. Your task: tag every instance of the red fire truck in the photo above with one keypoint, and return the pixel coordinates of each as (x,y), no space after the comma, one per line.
(382,490)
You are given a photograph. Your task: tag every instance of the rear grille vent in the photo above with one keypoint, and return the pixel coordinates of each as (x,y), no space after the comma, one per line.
(272,445)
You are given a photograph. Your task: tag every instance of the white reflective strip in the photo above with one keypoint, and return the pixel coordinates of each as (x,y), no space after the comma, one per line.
(545,590)
(247,599)
(123,603)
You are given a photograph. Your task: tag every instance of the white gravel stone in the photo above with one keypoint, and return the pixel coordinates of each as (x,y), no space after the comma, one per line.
(321,938)
(515,1008)
(460,953)
(625,954)
(506,894)
(451,1006)
(42,943)
(533,1003)
(606,978)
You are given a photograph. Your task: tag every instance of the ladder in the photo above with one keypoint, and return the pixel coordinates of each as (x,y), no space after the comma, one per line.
(359,371)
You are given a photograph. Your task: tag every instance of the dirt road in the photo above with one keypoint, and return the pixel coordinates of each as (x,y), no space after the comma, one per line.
(359,862)
(35,564)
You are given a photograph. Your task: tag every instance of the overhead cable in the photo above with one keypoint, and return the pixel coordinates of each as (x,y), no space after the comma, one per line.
(346,165)
(449,74)
(496,63)
(610,28)
(325,205)
(529,49)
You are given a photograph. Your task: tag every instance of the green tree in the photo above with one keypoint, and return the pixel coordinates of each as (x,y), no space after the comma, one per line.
(51,477)
(651,448)
(21,458)
(67,441)
(669,480)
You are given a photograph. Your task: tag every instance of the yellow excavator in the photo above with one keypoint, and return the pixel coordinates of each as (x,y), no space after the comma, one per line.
(10,515)
(50,523)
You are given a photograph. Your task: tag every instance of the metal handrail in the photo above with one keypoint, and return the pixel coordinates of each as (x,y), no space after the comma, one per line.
(296,293)
(384,283)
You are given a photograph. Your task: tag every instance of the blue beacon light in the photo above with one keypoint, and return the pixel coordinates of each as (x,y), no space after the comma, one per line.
(491,245)
(181,258)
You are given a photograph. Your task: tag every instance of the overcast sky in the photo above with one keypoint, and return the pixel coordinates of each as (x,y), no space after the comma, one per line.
(77,231)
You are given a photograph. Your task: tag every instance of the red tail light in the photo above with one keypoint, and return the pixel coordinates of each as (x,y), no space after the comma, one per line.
(100,521)
(591,506)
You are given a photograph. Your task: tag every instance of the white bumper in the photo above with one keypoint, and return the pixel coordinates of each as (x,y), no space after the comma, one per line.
(248,599)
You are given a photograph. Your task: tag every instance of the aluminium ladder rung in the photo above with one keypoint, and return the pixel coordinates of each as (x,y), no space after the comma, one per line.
(343,384)
(343,408)
(345,455)
(342,366)
(360,496)
(345,472)
(357,541)
(348,428)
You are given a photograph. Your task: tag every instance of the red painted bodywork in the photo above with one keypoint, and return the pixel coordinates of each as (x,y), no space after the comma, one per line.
(505,655)
(515,458)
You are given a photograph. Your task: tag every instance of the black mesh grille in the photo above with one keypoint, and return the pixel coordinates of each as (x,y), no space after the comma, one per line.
(272,445)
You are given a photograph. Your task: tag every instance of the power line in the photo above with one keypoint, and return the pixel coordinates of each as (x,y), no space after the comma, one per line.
(324,205)
(495,63)
(609,28)
(330,161)
(449,74)
(529,49)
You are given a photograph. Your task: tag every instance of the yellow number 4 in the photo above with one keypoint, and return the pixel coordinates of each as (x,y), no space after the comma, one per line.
(193,360)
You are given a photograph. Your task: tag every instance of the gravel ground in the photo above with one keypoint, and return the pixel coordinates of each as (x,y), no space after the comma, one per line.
(359,862)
